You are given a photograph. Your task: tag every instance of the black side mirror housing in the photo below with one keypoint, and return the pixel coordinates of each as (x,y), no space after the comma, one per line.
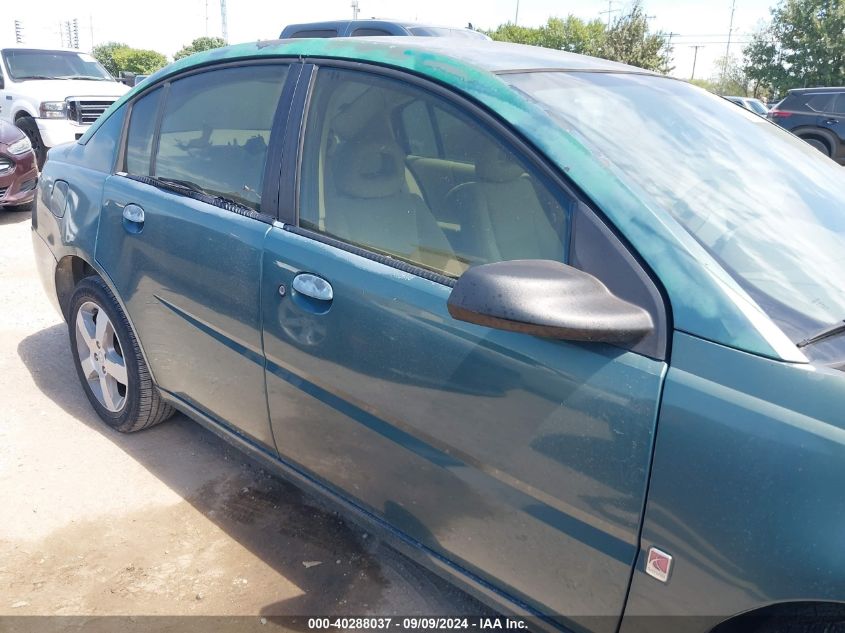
(548,299)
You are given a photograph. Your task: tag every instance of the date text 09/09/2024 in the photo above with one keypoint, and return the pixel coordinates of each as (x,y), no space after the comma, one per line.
(416,623)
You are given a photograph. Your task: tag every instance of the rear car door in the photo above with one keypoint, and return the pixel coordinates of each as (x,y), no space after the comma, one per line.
(181,235)
(521,461)
(834,120)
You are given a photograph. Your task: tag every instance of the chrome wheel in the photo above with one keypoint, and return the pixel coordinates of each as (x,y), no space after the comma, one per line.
(101,356)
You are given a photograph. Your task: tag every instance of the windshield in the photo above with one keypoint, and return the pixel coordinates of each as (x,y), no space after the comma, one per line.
(757,106)
(25,64)
(767,206)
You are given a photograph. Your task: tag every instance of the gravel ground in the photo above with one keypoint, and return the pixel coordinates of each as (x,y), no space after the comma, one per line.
(167,522)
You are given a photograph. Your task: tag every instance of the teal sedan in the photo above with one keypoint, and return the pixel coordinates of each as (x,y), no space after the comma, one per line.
(567,331)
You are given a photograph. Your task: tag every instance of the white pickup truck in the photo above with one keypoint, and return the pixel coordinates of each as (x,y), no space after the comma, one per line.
(53,95)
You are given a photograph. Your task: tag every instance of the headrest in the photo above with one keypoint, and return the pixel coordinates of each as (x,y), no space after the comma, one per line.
(498,165)
(368,169)
(353,117)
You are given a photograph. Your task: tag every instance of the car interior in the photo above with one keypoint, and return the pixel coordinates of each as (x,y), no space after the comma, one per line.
(397,171)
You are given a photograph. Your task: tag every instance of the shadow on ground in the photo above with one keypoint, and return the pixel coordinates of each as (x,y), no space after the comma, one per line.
(15,215)
(358,574)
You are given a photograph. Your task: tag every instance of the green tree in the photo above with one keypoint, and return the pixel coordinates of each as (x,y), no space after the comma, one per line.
(139,61)
(104,53)
(730,78)
(198,45)
(803,45)
(629,41)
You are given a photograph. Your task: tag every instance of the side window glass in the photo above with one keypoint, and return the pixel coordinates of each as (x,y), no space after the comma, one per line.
(820,102)
(216,128)
(460,141)
(360,181)
(370,33)
(139,139)
(418,130)
(839,104)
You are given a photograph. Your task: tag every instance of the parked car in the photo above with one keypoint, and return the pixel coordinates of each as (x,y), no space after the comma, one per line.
(18,171)
(512,307)
(749,103)
(53,95)
(374,27)
(816,115)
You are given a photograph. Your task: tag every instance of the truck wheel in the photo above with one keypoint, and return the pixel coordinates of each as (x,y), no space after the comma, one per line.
(28,126)
(109,362)
(819,145)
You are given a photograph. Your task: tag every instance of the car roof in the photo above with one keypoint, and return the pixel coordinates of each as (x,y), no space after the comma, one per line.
(47,49)
(369,22)
(422,54)
(817,89)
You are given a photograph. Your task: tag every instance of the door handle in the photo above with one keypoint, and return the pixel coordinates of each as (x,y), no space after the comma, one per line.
(313,286)
(133,218)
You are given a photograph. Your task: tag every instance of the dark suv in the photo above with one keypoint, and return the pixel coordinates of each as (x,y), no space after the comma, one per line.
(817,115)
(373,28)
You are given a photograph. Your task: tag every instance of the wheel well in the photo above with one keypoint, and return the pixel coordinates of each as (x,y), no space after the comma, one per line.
(69,272)
(781,616)
(818,137)
(22,115)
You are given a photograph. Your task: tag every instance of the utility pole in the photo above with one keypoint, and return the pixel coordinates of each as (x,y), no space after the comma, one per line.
(354,6)
(75,32)
(206,18)
(18,32)
(91,25)
(224,21)
(728,47)
(694,59)
(610,10)
(516,17)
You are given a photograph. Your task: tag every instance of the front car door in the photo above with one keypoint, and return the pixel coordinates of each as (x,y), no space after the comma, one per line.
(519,460)
(186,262)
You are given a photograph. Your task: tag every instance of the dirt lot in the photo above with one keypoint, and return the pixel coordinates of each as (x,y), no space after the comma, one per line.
(170,521)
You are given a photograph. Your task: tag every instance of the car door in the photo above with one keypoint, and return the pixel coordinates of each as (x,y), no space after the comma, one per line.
(834,120)
(181,235)
(522,461)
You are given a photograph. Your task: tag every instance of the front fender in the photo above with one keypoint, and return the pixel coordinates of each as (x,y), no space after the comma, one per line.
(746,490)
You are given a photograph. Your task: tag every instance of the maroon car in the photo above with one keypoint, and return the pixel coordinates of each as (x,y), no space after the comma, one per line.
(18,171)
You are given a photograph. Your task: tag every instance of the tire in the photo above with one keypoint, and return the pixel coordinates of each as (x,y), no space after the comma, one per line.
(28,126)
(794,618)
(124,397)
(819,145)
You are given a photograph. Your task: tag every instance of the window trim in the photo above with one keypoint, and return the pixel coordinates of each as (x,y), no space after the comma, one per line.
(278,130)
(556,181)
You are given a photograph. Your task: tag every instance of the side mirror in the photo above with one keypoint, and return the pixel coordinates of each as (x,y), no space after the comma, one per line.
(548,299)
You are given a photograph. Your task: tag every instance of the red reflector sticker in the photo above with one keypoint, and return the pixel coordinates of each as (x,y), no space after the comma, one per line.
(659,564)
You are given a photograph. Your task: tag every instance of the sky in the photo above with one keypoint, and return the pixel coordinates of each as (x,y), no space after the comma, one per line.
(167,25)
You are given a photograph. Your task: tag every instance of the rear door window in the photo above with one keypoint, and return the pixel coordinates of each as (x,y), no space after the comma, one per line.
(216,128)
(139,139)
(365,32)
(315,33)
(819,102)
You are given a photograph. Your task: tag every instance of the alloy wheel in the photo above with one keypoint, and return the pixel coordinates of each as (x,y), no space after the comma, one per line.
(101,357)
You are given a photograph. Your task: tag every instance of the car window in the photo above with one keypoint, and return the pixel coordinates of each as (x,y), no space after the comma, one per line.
(315,33)
(839,104)
(365,32)
(776,225)
(216,128)
(139,139)
(372,175)
(819,102)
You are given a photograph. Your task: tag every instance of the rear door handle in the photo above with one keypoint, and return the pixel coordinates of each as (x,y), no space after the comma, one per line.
(313,286)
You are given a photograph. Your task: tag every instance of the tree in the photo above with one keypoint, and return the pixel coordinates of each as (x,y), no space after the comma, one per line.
(198,45)
(104,53)
(730,77)
(627,40)
(139,61)
(802,46)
